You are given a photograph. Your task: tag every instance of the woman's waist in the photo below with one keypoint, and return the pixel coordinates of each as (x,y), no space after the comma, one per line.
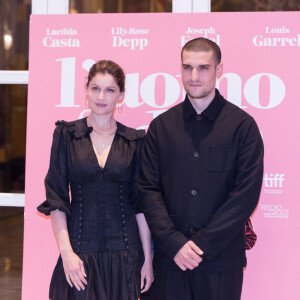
(99,185)
(105,241)
(94,193)
(103,226)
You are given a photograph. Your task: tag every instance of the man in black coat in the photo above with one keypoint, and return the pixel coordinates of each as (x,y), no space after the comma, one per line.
(200,179)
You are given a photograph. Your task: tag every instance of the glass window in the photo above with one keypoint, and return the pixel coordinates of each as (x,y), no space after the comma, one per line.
(14,33)
(254,5)
(131,6)
(13,111)
(119,6)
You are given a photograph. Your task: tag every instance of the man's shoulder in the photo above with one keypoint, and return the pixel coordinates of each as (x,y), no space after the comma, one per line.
(232,109)
(173,112)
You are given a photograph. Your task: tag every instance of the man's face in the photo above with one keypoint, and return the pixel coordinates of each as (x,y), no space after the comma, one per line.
(199,73)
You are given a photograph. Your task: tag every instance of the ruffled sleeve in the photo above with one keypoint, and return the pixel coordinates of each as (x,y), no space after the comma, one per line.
(57,178)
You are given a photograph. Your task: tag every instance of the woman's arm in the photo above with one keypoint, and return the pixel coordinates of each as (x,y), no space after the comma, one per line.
(73,265)
(147,270)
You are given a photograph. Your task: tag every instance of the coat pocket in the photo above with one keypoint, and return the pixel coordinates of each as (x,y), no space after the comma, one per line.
(219,156)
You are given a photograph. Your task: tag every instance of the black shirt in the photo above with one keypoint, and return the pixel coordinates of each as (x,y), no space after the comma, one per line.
(200,180)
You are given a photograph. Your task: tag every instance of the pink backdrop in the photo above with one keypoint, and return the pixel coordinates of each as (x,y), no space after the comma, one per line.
(261,66)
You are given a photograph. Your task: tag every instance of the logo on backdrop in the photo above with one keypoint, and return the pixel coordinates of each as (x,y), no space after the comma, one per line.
(61,38)
(273,183)
(274,211)
(131,38)
(192,33)
(276,37)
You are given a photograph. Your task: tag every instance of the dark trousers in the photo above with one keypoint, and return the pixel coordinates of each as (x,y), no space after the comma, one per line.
(198,285)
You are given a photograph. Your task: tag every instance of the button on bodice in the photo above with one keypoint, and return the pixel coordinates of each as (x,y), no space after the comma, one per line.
(102,217)
(194,192)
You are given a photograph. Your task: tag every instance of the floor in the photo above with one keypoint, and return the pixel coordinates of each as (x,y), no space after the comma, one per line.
(11,252)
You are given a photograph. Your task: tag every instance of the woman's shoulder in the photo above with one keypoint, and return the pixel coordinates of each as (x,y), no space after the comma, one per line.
(129,133)
(76,128)
(63,123)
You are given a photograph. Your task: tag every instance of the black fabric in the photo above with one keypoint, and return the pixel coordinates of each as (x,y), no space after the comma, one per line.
(200,180)
(111,275)
(101,212)
(199,285)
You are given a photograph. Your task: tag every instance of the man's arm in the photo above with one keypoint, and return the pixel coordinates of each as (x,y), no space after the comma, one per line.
(151,195)
(242,200)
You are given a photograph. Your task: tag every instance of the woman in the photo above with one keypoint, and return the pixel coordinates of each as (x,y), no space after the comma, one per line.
(98,230)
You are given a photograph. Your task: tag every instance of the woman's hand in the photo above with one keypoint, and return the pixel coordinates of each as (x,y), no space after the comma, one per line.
(74,270)
(73,265)
(147,276)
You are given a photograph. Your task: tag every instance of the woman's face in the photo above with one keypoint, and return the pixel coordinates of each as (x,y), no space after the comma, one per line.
(103,94)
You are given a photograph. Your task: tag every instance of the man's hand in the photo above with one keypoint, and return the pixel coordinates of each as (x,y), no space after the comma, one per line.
(188,257)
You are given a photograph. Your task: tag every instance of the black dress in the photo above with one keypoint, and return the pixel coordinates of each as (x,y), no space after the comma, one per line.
(101,213)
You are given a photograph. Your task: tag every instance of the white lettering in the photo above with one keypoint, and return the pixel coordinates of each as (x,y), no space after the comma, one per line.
(82,114)
(87,64)
(172,90)
(137,93)
(64,31)
(261,41)
(282,29)
(50,42)
(156,113)
(133,44)
(234,88)
(185,38)
(204,31)
(67,92)
(252,88)
(132,90)
(273,181)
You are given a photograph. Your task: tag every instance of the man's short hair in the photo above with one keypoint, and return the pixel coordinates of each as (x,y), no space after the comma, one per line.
(203,44)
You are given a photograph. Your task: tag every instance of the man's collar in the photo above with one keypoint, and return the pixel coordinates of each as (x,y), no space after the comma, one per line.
(210,112)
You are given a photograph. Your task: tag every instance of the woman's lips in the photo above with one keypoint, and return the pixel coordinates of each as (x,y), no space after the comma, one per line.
(101,105)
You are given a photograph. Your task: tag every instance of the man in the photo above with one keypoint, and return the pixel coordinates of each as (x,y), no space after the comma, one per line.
(200,180)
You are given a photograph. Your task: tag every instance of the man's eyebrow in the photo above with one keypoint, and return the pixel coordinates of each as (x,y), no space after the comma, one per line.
(201,65)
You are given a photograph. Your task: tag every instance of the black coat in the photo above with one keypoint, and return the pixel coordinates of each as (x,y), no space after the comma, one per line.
(200,180)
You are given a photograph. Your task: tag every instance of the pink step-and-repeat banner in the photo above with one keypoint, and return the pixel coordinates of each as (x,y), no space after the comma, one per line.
(261,56)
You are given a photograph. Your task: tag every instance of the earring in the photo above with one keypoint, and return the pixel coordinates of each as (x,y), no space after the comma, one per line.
(86,102)
(119,106)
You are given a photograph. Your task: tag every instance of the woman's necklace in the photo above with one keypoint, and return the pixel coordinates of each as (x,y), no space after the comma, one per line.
(103,140)
(105,134)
